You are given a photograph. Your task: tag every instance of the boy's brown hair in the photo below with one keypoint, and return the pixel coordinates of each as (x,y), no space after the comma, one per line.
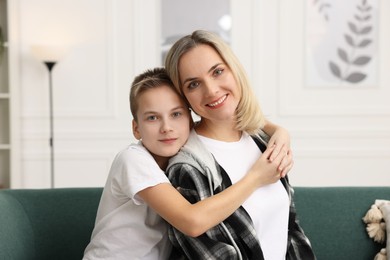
(151,78)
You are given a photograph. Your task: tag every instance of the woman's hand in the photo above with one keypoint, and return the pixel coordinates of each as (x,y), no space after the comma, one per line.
(280,145)
(263,171)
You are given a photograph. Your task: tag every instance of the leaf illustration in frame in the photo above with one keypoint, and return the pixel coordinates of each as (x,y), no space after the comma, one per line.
(368,17)
(365,30)
(349,40)
(335,69)
(364,9)
(353,28)
(323,8)
(355,77)
(362,60)
(357,38)
(368,8)
(364,43)
(343,55)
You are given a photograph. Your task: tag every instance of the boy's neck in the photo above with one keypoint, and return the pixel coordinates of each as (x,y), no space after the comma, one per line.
(161,161)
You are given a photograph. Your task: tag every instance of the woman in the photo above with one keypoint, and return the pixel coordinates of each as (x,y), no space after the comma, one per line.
(221,148)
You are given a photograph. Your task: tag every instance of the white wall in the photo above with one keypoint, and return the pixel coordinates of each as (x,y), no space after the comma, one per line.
(109,43)
(336,141)
(340,134)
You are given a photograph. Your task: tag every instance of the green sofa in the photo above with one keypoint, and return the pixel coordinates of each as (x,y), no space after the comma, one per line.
(57,223)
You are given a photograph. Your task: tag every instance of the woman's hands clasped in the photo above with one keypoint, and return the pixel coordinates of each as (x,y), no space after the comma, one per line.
(279,146)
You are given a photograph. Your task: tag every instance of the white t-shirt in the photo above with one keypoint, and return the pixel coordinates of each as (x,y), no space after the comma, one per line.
(125,227)
(268,206)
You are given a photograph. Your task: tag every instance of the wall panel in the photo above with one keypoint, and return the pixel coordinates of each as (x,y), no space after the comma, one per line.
(340,134)
(106,47)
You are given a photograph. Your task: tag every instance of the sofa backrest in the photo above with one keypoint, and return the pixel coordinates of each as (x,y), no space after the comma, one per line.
(47,223)
(57,223)
(332,219)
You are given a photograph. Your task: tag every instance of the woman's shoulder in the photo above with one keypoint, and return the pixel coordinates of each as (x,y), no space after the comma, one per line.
(261,136)
(261,139)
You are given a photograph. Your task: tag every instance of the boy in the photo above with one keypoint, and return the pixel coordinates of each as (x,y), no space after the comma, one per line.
(125,227)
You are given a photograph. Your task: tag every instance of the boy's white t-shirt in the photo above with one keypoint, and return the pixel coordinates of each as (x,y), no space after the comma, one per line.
(268,206)
(125,227)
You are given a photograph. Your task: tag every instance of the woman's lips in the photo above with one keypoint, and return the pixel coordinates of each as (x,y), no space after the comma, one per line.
(218,102)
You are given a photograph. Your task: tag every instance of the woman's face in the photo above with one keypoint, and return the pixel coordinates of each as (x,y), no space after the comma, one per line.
(208,84)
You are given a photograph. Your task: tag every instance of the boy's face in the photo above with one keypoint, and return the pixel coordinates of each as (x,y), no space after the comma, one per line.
(163,122)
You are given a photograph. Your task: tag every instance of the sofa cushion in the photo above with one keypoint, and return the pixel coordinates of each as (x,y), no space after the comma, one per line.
(51,224)
(57,223)
(15,229)
(332,219)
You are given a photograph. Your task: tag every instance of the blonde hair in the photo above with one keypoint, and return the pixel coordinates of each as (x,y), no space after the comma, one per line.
(249,116)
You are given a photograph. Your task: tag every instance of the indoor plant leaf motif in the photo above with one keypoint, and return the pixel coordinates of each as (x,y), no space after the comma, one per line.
(368,17)
(355,77)
(323,7)
(361,19)
(343,55)
(349,40)
(364,9)
(335,69)
(351,56)
(365,30)
(353,28)
(364,43)
(363,60)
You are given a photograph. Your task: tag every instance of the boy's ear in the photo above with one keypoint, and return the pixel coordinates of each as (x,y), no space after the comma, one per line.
(136,133)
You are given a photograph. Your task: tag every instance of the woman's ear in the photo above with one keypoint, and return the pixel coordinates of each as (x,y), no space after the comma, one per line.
(136,132)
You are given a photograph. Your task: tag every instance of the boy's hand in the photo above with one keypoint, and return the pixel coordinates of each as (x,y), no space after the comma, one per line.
(280,144)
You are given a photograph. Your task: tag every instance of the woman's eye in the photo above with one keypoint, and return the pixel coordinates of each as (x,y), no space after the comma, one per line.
(218,71)
(193,85)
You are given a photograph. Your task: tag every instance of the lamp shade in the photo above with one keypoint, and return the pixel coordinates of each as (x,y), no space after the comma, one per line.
(48,53)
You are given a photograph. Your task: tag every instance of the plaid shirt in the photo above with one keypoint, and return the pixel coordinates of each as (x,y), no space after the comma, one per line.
(197,176)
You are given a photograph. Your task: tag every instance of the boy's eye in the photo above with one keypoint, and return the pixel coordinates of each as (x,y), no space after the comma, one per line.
(176,114)
(151,118)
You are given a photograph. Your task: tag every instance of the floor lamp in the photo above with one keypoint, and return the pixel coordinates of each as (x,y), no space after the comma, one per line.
(50,65)
(50,55)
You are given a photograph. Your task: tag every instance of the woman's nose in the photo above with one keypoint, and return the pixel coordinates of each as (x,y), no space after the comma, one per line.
(211,88)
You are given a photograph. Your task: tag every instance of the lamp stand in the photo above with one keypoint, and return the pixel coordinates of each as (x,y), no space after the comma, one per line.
(50,65)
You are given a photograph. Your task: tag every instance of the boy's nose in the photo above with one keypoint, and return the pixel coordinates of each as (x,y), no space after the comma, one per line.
(166,126)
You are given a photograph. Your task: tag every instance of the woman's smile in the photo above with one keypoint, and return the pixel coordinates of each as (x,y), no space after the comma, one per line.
(217,103)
